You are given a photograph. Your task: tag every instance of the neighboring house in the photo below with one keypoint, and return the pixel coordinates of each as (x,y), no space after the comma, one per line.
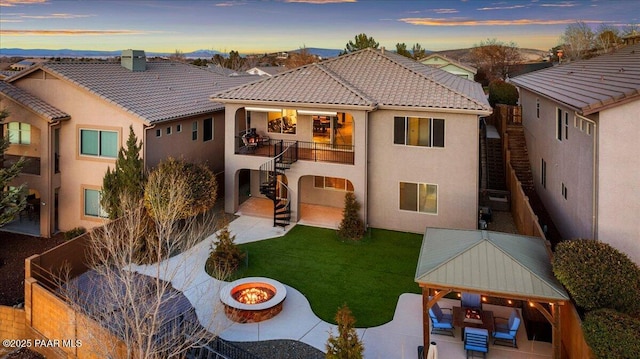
(582,122)
(24,64)
(266,70)
(70,120)
(450,65)
(401,135)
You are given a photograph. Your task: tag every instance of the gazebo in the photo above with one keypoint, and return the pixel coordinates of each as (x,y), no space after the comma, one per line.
(494,264)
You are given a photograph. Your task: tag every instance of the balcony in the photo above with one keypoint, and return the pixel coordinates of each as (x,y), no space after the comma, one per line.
(307,151)
(31,166)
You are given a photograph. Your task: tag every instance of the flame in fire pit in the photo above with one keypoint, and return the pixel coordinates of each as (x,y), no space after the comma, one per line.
(253,295)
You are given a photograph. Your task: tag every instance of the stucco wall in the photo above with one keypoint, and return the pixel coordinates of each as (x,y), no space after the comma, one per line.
(454,169)
(619,178)
(569,161)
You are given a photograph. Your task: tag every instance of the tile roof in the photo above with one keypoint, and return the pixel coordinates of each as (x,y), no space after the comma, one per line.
(32,102)
(505,264)
(366,78)
(165,91)
(589,85)
(448,61)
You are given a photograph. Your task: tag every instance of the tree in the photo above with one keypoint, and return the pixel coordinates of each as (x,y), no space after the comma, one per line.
(501,92)
(139,305)
(495,58)
(178,56)
(234,61)
(300,58)
(401,49)
(225,256)
(346,345)
(127,177)
(361,41)
(607,37)
(418,52)
(611,334)
(351,226)
(12,200)
(578,39)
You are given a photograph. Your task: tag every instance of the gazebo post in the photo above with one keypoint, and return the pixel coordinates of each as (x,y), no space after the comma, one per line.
(425,317)
(556,336)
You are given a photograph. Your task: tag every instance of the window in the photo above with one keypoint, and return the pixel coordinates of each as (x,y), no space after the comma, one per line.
(178,128)
(559,125)
(589,127)
(92,207)
(168,130)
(537,108)
(416,131)
(158,132)
(207,133)
(284,121)
(194,130)
(99,143)
(340,184)
(543,173)
(19,133)
(419,197)
(564,191)
(566,125)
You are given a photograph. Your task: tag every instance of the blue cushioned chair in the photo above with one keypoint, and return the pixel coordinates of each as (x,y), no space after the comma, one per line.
(476,340)
(441,323)
(507,329)
(471,300)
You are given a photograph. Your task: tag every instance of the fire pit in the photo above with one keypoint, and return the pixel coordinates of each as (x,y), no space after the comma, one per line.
(252,300)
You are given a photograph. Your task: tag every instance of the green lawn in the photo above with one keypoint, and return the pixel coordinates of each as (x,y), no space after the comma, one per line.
(368,276)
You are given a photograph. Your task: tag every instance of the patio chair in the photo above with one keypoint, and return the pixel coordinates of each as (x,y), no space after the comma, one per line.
(507,329)
(249,146)
(471,300)
(441,323)
(476,340)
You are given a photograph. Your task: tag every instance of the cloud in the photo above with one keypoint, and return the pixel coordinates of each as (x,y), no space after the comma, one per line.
(21,2)
(560,4)
(445,11)
(55,16)
(3,20)
(68,32)
(501,8)
(426,21)
(230,3)
(320,1)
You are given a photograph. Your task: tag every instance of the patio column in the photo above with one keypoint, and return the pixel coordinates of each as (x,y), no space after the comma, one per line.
(425,317)
(556,334)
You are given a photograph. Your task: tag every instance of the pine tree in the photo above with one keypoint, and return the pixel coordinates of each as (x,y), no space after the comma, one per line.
(225,256)
(127,177)
(11,201)
(346,345)
(351,226)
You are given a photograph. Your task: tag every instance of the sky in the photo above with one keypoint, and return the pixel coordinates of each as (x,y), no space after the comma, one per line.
(252,26)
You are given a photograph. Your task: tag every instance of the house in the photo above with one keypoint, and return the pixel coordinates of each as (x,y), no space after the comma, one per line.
(581,125)
(452,66)
(71,118)
(266,70)
(401,135)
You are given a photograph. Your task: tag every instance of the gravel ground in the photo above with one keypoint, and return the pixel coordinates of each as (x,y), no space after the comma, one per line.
(281,349)
(22,354)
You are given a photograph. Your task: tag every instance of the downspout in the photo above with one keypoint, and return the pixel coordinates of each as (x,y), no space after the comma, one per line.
(594,199)
(51,196)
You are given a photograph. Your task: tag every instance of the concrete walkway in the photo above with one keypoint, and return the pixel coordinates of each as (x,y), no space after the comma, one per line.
(398,338)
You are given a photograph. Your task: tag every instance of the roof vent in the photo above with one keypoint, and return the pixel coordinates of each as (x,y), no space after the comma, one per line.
(133,60)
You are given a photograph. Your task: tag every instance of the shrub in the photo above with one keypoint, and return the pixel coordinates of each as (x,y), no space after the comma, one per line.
(73,233)
(598,275)
(351,226)
(346,345)
(225,257)
(611,334)
(502,92)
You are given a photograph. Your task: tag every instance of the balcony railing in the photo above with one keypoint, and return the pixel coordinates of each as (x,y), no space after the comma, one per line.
(31,166)
(307,151)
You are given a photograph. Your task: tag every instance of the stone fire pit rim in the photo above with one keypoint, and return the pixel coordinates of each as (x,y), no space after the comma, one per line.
(227,299)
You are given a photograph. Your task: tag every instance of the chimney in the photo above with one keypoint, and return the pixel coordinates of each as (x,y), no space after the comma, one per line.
(382,50)
(133,60)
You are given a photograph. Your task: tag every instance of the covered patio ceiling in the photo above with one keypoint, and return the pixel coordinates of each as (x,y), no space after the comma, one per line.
(491,263)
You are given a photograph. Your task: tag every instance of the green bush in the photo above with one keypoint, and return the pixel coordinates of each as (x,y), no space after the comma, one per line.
(503,93)
(346,345)
(611,334)
(73,233)
(225,256)
(598,275)
(351,226)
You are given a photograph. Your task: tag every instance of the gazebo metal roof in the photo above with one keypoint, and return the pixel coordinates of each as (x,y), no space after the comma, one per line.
(494,263)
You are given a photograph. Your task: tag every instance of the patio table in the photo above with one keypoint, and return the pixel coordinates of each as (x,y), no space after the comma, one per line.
(458,320)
